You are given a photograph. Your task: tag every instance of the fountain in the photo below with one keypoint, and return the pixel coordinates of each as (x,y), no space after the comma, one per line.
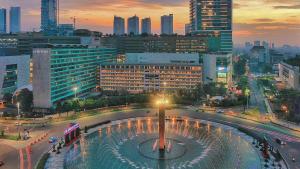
(163,143)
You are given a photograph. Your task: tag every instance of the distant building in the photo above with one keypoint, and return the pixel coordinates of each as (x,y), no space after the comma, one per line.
(87,37)
(213,17)
(14,73)
(167,24)
(49,16)
(146,26)
(133,25)
(66,29)
(261,54)
(149,72)
(217,68)
(289,73)
(188,29)
(15,20)
(119,25)
(2,20)
(25,42)
(257,43)
(248,45)
(163,44)
(57,70)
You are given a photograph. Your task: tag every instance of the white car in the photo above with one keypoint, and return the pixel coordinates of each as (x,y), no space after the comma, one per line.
(220,111)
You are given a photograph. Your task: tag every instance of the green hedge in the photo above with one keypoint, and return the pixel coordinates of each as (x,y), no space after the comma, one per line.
(42,162)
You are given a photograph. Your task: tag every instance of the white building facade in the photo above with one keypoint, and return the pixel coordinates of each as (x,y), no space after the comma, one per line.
(289,75)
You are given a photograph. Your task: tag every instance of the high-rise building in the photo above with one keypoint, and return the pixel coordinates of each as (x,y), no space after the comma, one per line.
(119,25)
(133,25)
(214,16)
(49,16)
(15,19)
(167,24)
(146,25)
(57,70)
(2,20)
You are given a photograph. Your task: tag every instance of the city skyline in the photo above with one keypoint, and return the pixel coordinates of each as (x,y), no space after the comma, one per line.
(273,21)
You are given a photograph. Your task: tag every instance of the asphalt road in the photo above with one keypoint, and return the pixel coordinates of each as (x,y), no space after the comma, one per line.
(257,98)
(56,129)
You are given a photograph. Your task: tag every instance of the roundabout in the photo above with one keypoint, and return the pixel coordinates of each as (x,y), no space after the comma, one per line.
(190,143)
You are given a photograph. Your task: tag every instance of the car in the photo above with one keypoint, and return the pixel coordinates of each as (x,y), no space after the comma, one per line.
(1,163)
(53,139)
(280,141)
(220,111)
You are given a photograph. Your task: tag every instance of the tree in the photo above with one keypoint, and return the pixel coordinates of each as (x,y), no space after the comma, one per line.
(25,98)
(59,108)
(215,89)
(240,67)
(7,97)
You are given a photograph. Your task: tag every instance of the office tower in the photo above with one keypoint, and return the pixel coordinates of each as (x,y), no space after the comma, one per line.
(49,17)
(146,25)
(187,28)
(15,19)
(167,24)
(133,25)
(2,20)
(213,17)
(119,25)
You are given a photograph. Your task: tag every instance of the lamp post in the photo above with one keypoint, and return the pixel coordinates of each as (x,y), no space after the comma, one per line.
(18,117)
(75,91)
(247,93)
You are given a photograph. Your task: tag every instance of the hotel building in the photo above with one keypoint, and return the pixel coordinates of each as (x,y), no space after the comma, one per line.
(60,72)
(148,72)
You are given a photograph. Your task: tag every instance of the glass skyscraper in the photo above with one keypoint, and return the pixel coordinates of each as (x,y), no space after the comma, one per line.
(2,20)
(15,19)
(49,17)
(215,17)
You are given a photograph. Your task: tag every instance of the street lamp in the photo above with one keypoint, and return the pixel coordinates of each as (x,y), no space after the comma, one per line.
(247,93)
(75,90)
(18,117)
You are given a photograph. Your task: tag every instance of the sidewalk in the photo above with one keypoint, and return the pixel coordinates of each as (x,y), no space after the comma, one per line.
(277,121)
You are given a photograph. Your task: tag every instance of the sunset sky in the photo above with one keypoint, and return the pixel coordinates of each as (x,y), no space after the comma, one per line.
(276,21)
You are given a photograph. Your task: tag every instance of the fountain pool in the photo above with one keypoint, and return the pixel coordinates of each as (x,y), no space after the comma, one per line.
(189,143)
